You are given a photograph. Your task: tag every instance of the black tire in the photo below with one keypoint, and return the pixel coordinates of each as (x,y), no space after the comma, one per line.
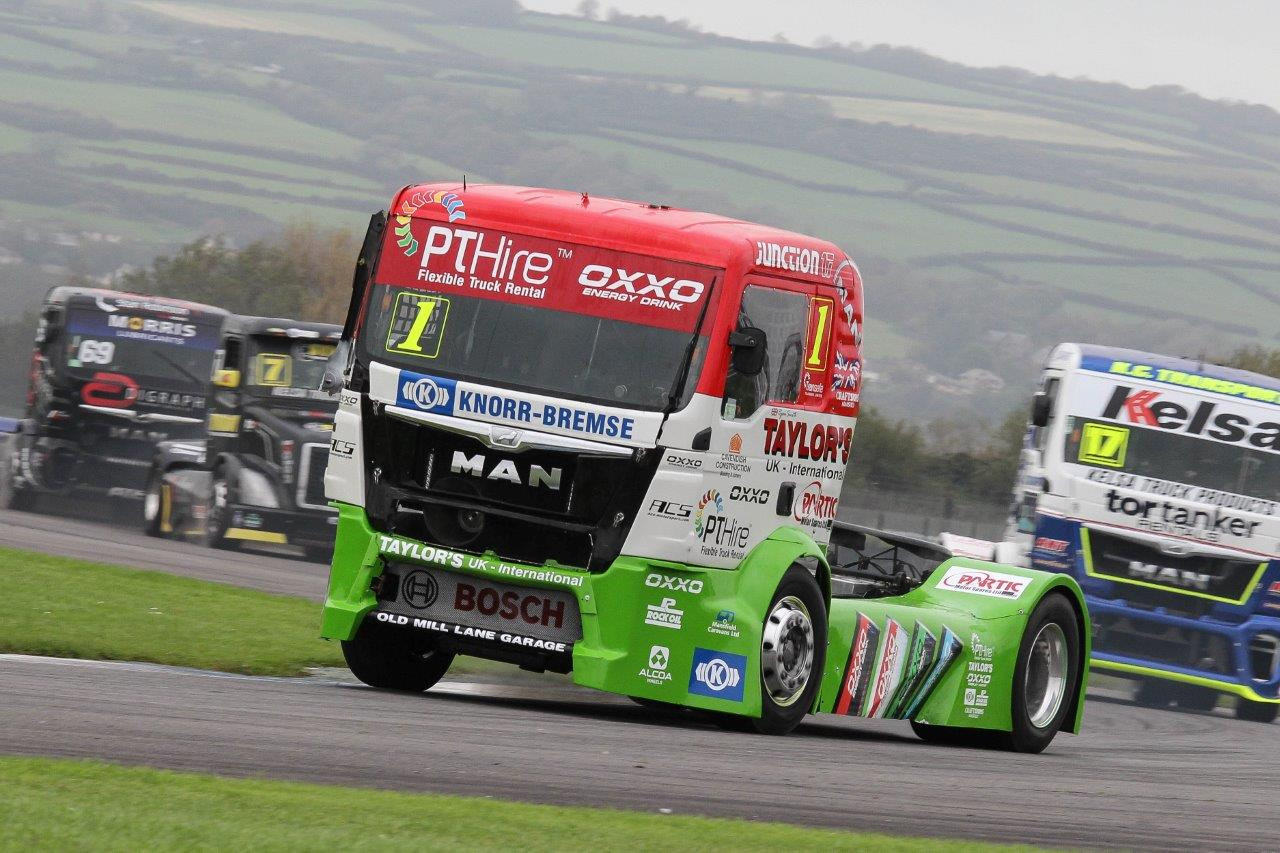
(13,496)
(394,660)
(1026,736)
(218,516)
(1256,712)
(152,505)
(1191,697)
(782,709)
(318,553)
(1154,693)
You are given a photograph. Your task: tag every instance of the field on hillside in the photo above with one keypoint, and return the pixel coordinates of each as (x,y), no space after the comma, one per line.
(1149,218)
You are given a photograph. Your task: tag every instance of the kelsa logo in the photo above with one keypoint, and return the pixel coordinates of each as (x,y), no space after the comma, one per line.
(711,497)
(110,391)
(1146,408)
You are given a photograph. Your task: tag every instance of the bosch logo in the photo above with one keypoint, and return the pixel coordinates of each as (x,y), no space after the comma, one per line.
(419,590)
(425,393)
(717,675)
(693,586)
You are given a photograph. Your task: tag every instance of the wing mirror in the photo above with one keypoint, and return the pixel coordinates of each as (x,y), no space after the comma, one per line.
(331,382)
(748,345)
(226,378)
(1041,408)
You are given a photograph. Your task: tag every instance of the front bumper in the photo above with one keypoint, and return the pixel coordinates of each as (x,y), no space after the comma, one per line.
(282,526)
(1231,668)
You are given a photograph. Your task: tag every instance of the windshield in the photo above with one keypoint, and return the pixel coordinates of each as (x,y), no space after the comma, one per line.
(178,351)
(563,354)
(285,367)
(1237,468)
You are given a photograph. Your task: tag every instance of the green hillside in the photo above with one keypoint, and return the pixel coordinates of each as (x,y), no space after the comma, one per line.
(993,212)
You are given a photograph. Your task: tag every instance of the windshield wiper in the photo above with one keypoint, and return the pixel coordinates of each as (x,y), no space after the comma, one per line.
(178,367)
(682,375)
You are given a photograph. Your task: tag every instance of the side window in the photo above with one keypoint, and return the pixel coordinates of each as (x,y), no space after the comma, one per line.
(1051,395)
(231,359)
(783,315)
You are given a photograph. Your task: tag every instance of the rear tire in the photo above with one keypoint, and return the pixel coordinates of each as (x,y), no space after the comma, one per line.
(1191,697)
(1256,712)
(394,660)
(13,496)
(793,647)
(1047,675)
(1154,693)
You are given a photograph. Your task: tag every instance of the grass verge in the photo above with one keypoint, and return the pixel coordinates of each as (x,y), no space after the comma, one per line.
(87,805)
(72,608)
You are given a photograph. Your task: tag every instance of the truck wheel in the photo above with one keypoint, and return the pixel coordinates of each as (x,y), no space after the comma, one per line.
(1154,693)
(12,496)
(152,504)
(394,661)
(318,553)
(1256,712)
(218,518)
(1191,697)
(793,645)
(1047,671)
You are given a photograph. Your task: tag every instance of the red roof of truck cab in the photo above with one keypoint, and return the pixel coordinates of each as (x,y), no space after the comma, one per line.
(685,235)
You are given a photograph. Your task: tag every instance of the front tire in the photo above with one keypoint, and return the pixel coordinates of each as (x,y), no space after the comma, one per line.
(153,505)
(392,660)
(1256,712)
(218,518)
(793,645)
(12,496)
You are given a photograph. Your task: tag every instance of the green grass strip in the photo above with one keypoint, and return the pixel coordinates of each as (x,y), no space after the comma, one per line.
(87,805)
(73,608)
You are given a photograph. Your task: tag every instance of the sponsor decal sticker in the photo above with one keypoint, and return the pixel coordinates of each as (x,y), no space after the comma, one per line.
(656,671)
(720,675)
(983,582)
(815,509)
(664,614)
(682,461)
(656,580)
(724,625)
(1103,445)
(802,440)
(1165,517)
(1051,546)
(396,546)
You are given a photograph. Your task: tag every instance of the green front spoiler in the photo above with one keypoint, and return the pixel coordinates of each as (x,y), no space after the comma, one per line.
(935,655)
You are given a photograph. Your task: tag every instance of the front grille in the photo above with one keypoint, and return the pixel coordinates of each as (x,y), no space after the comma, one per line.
(1177,576)
(1135,637)
(528,504)
(315,458)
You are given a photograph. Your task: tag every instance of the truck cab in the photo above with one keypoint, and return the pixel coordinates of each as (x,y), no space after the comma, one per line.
(112,374)
(257,474)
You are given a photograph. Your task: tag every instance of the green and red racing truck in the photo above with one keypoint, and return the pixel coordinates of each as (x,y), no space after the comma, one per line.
(609,438)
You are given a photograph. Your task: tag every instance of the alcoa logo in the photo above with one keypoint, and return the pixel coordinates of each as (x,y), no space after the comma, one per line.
(425,393)
(717,675)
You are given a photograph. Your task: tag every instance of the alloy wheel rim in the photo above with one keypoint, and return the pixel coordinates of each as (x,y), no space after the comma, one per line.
(786,651)
(1045,682)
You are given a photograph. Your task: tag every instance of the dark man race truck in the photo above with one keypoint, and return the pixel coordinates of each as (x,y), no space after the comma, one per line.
(594,436)
(111,375)
(257,474)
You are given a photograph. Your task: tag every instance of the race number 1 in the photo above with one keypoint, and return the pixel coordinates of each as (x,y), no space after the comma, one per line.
(417,324)
(819,333)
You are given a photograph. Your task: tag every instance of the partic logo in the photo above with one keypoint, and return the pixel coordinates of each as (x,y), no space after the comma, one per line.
(425,393)
(983,582)
(720,675)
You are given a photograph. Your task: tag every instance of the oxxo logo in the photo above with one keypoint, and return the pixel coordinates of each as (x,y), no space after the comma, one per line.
(693,586)
(645,288)
(720,675)
(983,582)
(425,393)
(747,495)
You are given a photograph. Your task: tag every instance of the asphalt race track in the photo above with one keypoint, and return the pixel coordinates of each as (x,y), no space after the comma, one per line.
(1135,778)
